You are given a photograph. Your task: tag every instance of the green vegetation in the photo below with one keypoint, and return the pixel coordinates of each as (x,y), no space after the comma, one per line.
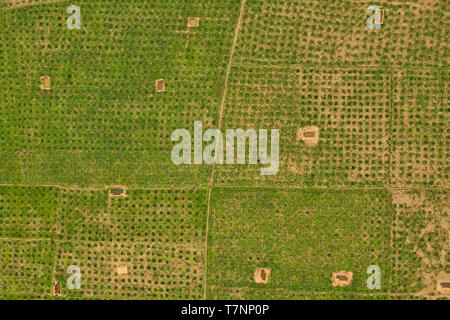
(28,212)
(302,235)
(373,191)
(103,121)
(420,234)
(158,234)
(350,106)
(26,268)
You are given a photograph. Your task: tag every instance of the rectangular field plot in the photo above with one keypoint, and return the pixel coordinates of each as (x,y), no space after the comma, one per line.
(350,107)
(421,240)
(159,216)
(420,129)
(302,235)
(84,216)
(102,121)
(28,212)
(329,32)
(146,245)
(26,269)
(96,262)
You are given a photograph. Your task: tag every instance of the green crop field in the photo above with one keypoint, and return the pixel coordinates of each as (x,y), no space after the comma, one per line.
(374,191)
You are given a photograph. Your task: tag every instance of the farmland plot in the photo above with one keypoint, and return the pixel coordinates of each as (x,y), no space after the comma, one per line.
(302,235)
(26,268)
(350,106)
(421,239)
(28,218)
(420,129)
(88,189)
(334,33)
(103,121)
(156,235)
(28,213)
(149,244)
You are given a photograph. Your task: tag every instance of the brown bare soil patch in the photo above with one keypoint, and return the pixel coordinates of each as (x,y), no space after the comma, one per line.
(443,283)
(122,270)
(381,16)
(159,85)
(45,83)
(309,134)
(56,290)
(193,22)
(341,278)
(262,275)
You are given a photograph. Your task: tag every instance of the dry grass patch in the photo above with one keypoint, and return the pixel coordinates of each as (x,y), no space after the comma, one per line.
(45,83)
(56,291)
(12,4)
(341,278)
(420,239)
(443,283)
(122,270)
(160,87)
(262,275)
(309,134)
(193,22)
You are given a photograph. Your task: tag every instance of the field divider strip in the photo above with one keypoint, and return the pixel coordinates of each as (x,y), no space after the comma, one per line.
(444,188)
(57,231)
(331,188)
(99,188)
(262,63)
(25,239)
(393,259)
(22,5)
(327,292)
(222,107)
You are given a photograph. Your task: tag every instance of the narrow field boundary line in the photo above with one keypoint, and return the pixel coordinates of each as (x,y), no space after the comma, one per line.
(85,297)
(100,188)
(390,115)
(235,186)
(79,241)
(332,188)
(31,185)
(262,63)
(25,239)
(393,259)
(326,292)
(222,107)
(24,5)
(170,188)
